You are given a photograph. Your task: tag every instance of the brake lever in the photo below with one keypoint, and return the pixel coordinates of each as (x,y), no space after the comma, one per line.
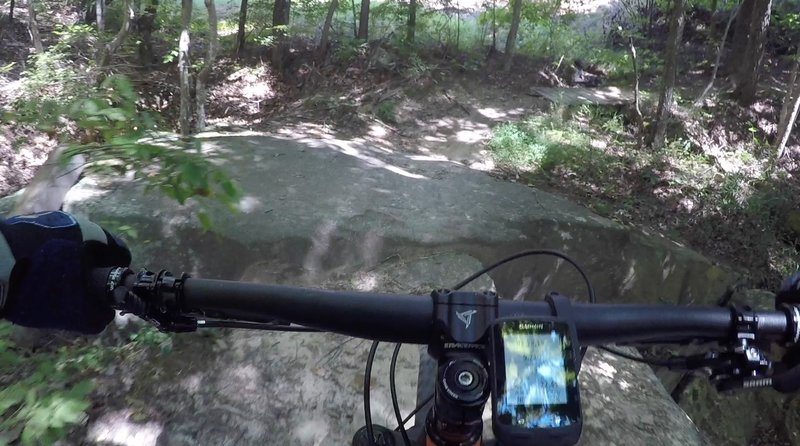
(742,367)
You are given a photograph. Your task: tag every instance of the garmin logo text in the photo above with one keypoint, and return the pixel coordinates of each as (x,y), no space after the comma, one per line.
(466,316)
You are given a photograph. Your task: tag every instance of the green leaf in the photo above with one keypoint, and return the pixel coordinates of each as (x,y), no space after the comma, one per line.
(82,389)
(193,174)
(114,114)
(229,188)
(66,411)
(205,220)
(10,397)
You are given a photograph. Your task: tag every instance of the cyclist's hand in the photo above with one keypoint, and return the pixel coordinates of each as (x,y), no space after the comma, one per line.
(45,259)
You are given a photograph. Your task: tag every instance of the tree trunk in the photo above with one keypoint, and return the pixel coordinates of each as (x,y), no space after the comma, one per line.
(183,68)
(639,117)
(202,77)
(322,49)
(411,25)
(100,14)
(494,25)
(741,33)
(355,18)
(33,29)
(720,50)
(280,21)
(749,70)
(512,35)
(363,21)
(145,27)
(240,34)
(677,19)
(458,25)
(108,50)
(11,11)
(791,105)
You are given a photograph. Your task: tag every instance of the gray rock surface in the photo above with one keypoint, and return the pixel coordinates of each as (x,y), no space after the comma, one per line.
(322,205)
(340,215)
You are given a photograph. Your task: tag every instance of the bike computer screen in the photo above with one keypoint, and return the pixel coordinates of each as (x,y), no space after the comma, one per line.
(536,379)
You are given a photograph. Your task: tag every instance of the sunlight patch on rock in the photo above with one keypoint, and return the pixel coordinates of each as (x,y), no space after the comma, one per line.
(116,428)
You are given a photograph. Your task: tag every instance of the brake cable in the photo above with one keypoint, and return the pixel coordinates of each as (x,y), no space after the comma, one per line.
(271,326)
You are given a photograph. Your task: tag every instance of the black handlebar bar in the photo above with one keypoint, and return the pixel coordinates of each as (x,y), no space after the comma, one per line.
(410,318)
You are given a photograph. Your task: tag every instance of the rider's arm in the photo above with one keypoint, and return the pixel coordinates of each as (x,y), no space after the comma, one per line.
(44,262)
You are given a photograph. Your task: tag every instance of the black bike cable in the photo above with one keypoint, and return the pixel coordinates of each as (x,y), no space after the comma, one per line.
(367,379)
(529,253)
(418,408)
(393,389)
(271,326)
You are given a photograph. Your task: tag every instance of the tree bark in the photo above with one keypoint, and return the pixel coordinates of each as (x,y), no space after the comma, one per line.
(720,50)
(512,35)
(242,23)
(183,68)
(363,21)
(789,110)
(100,14)
(280,21)
(411,25)
(494,25)
(749,70)
(108,50)
(741,33)
(322,48)
(639,117)
(145,27)
(677,19)
(211,54)
(458,25)
(33,29)
(355,18)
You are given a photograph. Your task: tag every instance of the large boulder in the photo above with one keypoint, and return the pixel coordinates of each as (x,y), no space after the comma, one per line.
(340,214)
(321,205)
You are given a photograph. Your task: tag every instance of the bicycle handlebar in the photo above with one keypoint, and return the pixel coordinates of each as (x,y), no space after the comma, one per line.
(410,318)
(454,323)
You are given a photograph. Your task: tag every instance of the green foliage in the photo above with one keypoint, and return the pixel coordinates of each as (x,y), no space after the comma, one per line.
(348,50)
(540,142)
(51,393)
(418,68)
(387,112)
(150,337)
(51,82)
(121,138)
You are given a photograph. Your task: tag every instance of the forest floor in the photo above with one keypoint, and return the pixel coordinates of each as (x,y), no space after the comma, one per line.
(709,188)
(697,191)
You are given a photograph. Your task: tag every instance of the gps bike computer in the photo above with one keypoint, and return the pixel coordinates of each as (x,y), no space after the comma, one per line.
(535,394)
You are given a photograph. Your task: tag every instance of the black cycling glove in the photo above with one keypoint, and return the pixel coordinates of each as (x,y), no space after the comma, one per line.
(45,261)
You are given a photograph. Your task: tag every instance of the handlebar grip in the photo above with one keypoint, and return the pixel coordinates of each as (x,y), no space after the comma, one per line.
(98,283)
(110,285)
